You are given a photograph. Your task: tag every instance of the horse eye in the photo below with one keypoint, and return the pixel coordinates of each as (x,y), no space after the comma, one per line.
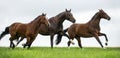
(69,15)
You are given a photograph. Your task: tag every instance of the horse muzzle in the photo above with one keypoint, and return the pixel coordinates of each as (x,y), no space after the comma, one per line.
(109,18)
(73,21)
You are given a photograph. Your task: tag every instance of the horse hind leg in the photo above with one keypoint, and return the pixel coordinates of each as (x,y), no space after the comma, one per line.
(70,42)
(71,37)
(12,45)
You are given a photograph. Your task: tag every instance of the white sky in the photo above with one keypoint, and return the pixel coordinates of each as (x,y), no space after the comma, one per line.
(26,10)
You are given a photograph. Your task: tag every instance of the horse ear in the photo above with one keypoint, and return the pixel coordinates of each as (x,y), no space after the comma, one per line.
(70,10)
(99,9)
(66,10)
(43,14)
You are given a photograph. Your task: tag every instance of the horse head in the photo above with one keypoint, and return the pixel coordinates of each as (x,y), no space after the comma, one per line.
(69,16)
(104,15)
(43,19)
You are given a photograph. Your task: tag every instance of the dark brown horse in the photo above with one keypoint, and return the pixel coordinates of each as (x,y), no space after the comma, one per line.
(28,31)
(90,29)
(56,25)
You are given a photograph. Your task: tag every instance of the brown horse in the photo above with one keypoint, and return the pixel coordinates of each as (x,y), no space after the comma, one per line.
(28,31)
(56,25)
(90,29)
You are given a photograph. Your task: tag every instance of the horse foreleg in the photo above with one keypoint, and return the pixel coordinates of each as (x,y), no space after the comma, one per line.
(97,38)
(58,40)
(102,34)
(51,39)
(79,41)
(59,37)
(31,41)
(19,41)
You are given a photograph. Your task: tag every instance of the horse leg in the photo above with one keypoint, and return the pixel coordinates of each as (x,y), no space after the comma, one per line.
(59,37)
(51,39)
(11,43)
(70,41)
(27,43)
(102,34)
(79,41)
(97,38)
(20,40)
(31,41)
(71,37)
(58,40)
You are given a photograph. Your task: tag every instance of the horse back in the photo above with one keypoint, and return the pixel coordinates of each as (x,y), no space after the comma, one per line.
(17,28)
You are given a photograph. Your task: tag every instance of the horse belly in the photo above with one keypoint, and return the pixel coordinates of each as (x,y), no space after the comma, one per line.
(83,32)
(85,35)
(43,30)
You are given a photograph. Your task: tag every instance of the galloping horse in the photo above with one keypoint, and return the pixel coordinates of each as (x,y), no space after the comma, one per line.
(90,29)
(28,31)
(56,25)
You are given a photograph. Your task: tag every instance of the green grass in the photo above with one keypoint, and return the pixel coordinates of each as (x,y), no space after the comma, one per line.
(57,52)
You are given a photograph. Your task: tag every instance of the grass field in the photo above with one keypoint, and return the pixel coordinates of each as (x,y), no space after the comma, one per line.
(57,52)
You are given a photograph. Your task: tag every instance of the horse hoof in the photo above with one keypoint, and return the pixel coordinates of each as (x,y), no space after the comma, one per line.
(23,44)
(106,44)
(68,47)
(104,47)
(68,43)
(73,43)
(13,46)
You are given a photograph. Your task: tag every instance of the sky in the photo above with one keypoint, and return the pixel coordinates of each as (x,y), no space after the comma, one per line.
(27,10)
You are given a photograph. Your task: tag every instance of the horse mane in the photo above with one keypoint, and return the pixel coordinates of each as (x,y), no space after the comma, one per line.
(53,19)
(58,15)
(94,17)
(35,19)
(35,22)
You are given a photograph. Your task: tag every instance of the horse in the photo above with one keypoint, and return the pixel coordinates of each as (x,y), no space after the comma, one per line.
(28,30)
(89,29)
(56,25)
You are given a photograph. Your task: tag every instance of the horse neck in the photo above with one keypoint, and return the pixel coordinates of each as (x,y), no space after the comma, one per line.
(35,24)
(60,18)
(95,21)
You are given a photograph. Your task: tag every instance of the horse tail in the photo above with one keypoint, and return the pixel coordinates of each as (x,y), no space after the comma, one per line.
(59,36)
(4,32)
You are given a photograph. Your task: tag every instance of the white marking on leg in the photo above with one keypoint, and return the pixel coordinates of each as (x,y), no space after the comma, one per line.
(68,47)
(72,41)
(104,47)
